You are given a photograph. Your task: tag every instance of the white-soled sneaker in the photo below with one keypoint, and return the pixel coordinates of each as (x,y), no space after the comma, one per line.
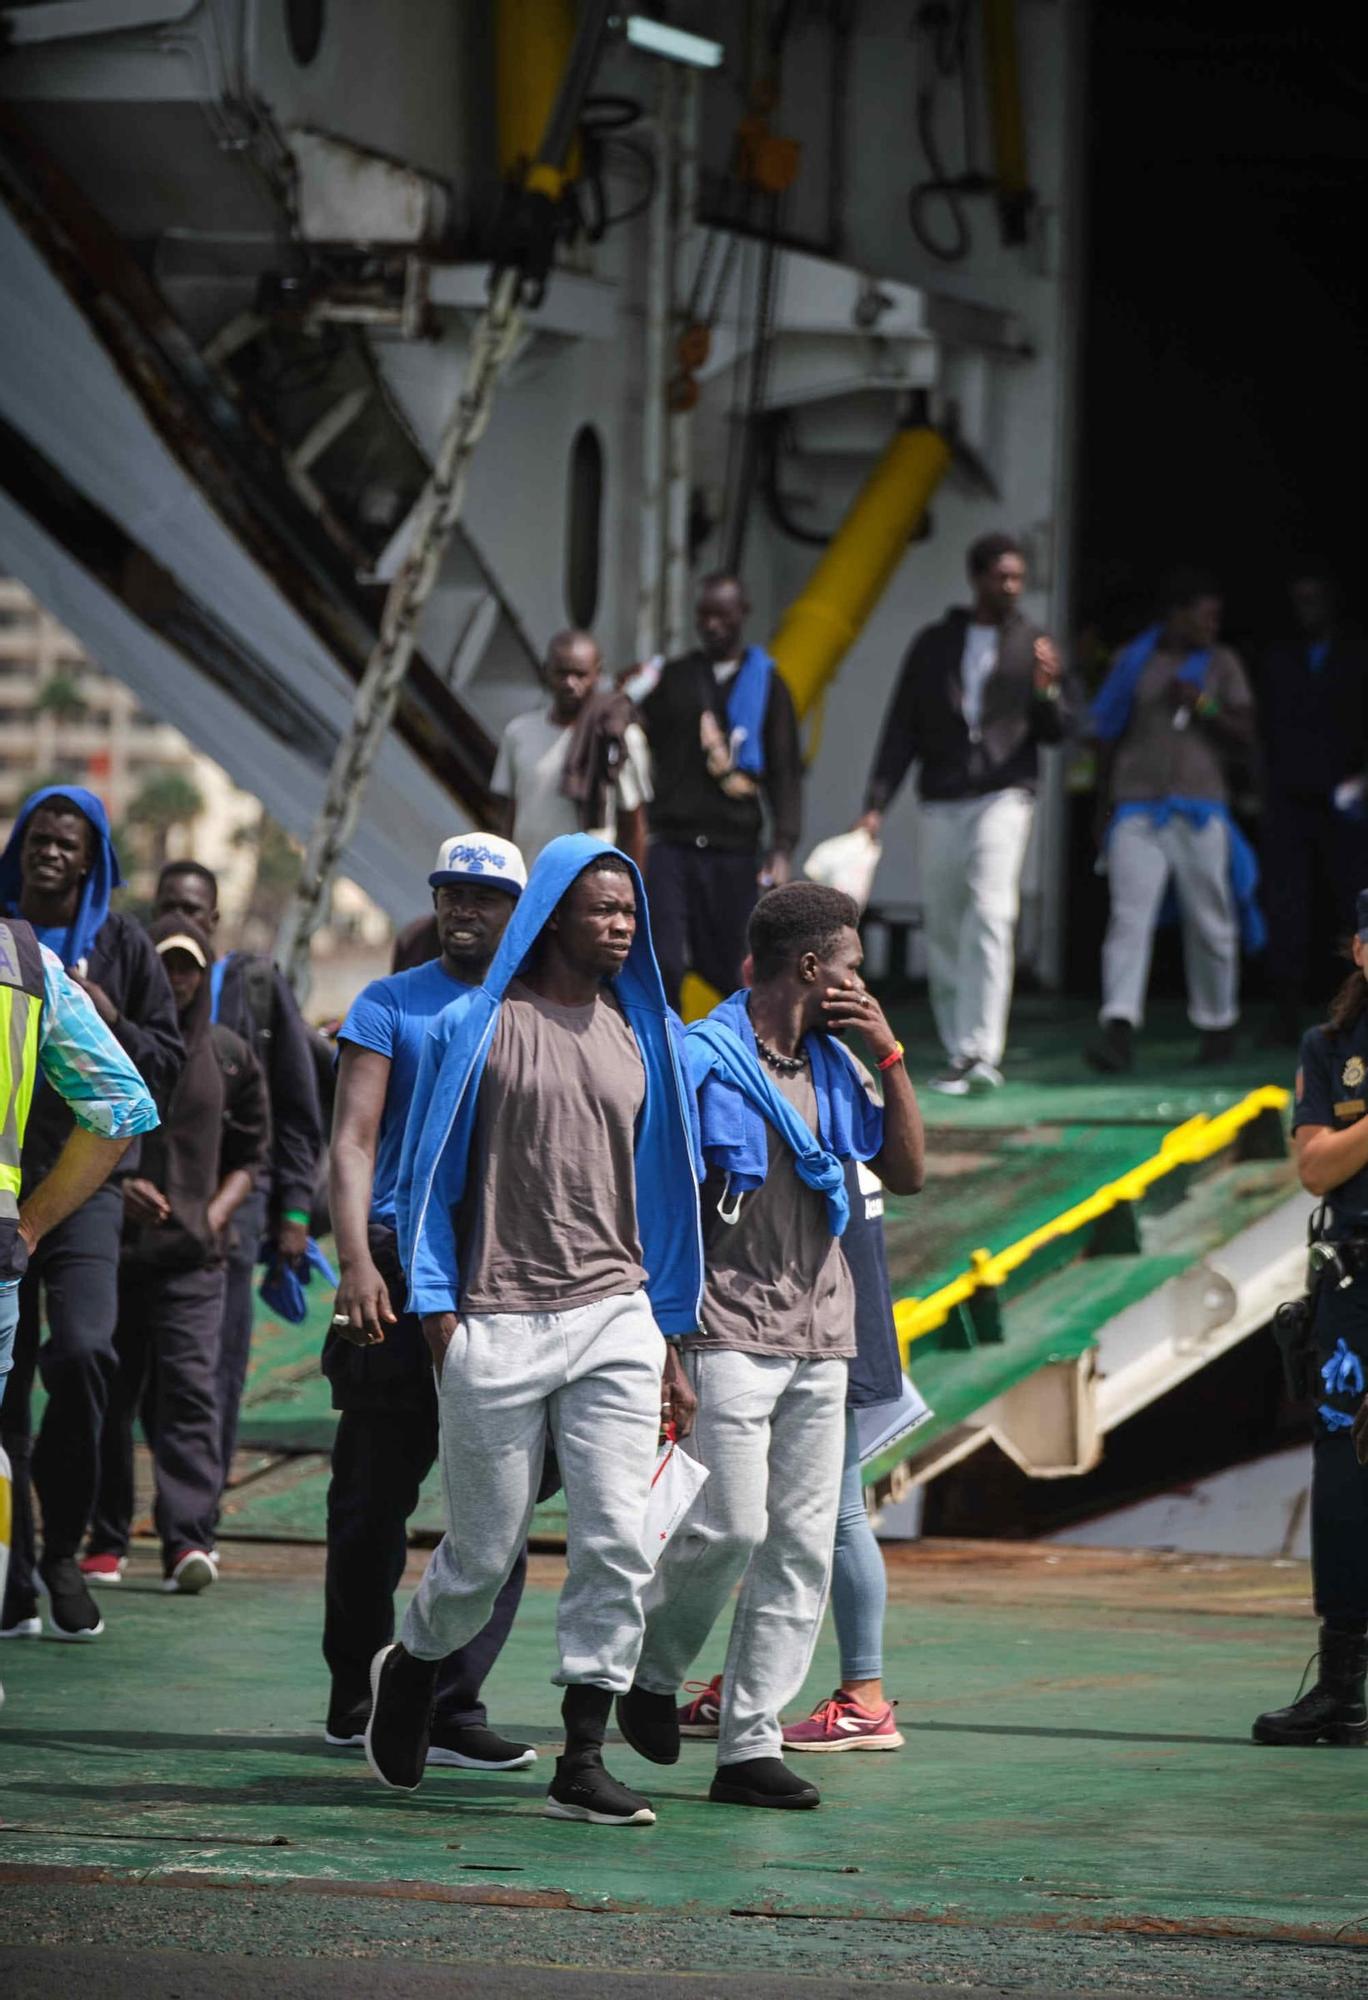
(984,1076)
(192,1571)
(953,1080)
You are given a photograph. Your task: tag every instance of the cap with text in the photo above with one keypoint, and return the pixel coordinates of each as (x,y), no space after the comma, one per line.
(480,857)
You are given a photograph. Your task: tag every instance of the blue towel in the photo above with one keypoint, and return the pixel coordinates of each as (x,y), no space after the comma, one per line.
(1111,710)
(1244,862)
(747,705)
(282,1288)
(736,1100)
(99,885)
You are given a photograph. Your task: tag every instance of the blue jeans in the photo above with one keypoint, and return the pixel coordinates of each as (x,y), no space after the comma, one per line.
(859,1587)
(9,1320)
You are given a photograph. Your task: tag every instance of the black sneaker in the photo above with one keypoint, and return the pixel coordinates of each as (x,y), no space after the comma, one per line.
(401,1709)
(1113,1052)
(1216,1047)
(650,1724)
(472,1746)
(762,1781)
(587,1792)
(348,1715)
(70,1605)
(20,1618)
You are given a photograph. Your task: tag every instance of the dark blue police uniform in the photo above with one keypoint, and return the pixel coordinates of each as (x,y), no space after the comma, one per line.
(1332,1090)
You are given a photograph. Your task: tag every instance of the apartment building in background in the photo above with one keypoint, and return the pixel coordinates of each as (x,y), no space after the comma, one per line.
(64,720)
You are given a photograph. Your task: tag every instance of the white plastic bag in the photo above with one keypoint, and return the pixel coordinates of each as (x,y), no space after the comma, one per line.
(847,861)
(675,1485)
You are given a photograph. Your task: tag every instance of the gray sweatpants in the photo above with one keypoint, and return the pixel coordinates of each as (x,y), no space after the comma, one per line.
(591,1376)
(1142,859)
(771,1431)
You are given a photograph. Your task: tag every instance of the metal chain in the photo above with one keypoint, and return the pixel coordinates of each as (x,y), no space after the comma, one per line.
(492,341)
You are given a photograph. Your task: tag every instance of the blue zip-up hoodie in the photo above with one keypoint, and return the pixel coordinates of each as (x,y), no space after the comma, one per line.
(441,1127)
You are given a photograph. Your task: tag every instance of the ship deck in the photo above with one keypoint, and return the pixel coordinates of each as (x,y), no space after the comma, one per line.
(1078,1808)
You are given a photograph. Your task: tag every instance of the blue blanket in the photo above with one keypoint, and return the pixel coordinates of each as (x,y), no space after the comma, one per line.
(747,705)
(737,1100)
(1111,711)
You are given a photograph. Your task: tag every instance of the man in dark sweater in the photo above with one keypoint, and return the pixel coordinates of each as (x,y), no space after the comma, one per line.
(978,695)
(251,997)
(1313,702)
(58,872)
(725,753)
(179,1211)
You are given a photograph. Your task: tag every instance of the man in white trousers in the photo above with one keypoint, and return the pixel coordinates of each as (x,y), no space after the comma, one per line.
(782,1108)
(979,693)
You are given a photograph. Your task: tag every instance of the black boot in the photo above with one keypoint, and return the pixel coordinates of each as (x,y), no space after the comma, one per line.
(582,1789)
(1333,1711)
(1216,1046)
(1113,1053)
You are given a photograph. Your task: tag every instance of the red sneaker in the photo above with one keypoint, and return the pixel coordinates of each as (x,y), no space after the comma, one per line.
(102,1569)
(842,1723)
(701,1716)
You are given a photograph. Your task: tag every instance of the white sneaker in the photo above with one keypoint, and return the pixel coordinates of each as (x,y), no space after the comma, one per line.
(23,1628)
(983,1076)
(953,1080)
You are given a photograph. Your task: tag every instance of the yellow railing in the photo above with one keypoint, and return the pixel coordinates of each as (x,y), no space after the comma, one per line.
(1187,1145)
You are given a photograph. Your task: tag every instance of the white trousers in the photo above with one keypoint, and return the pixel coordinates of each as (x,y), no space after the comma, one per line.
(1142,860)
(971,853)
(590,1378)
(771,1431)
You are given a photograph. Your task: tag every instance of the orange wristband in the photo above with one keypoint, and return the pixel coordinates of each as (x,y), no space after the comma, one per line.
(895,1055)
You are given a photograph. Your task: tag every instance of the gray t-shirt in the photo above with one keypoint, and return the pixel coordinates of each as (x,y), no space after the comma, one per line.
(1155,760)
(775,1281)
(550,1216)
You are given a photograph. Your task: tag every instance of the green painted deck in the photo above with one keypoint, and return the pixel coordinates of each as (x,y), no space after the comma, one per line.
(1078,1797)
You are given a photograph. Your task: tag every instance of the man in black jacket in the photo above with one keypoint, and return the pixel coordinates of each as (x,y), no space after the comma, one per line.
(1313,713)
(250,996)
(978,694)
(61,862)
(724,747)
(179,1210)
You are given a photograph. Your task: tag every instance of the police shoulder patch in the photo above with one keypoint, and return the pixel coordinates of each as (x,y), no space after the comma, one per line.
(1354,1072)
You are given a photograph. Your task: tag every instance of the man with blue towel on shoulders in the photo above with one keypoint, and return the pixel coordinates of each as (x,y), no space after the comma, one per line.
(783,1107)
(1173,717)
(548,1223)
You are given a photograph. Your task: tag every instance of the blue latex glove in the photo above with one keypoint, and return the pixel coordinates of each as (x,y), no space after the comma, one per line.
(282,1288)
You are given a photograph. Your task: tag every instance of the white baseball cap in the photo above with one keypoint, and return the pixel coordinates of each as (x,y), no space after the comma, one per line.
(480,857)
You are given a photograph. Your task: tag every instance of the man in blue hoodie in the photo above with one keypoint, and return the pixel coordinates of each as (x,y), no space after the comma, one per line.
(59,871)
(548,1221)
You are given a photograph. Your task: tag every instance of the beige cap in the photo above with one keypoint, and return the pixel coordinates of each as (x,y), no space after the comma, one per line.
(186,944)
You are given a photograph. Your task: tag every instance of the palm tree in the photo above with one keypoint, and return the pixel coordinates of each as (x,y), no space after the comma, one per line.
(60,696)
(166,800)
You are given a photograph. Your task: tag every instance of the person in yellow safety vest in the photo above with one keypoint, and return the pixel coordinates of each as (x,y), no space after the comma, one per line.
(50,1034)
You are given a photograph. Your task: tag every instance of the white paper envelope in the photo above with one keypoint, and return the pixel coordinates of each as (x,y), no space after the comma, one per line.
(675,1485)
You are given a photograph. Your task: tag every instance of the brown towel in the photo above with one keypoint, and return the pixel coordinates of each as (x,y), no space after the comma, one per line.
(595,754)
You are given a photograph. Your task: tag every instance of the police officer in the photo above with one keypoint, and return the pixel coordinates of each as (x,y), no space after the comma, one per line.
(1330,1124)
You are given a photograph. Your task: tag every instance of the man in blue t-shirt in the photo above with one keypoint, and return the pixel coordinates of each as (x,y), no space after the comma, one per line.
(376,1358)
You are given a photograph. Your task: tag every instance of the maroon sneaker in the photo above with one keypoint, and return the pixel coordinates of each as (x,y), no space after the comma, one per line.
(842,1723)
(700,1717)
